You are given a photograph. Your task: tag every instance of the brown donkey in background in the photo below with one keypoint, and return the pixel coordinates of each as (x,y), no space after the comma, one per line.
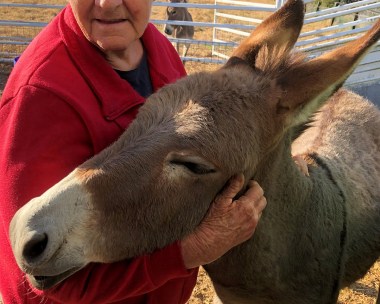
(179,31)
(154,185)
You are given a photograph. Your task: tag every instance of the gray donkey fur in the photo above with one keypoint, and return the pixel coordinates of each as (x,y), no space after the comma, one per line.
(155,184)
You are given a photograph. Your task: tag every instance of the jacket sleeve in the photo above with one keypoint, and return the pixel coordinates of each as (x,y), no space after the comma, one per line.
(108,283)
(42,140)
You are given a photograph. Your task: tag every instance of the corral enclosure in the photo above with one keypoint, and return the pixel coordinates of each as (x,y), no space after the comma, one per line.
(219,26)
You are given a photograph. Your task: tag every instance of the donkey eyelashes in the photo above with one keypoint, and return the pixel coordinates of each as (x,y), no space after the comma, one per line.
(192,163)
(195,168)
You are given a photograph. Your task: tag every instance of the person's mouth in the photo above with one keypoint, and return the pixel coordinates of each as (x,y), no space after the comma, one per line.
(110,21)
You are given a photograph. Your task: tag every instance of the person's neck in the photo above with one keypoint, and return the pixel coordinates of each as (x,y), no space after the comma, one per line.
(128,59)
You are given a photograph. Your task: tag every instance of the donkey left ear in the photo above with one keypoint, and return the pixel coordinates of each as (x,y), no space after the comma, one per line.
(308,85)
(280,30)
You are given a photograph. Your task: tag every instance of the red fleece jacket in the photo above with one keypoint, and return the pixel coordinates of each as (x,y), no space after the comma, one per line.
(63,103)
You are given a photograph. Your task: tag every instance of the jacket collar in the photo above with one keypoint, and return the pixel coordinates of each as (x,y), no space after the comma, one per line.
(102,78)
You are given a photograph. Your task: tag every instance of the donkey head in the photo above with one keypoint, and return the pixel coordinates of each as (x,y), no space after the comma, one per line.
(176,14)
(155,184)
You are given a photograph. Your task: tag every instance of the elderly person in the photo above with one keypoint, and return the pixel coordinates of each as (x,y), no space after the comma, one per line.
(75,89)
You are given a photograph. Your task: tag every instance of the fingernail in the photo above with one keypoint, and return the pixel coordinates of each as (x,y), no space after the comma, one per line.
(238,178)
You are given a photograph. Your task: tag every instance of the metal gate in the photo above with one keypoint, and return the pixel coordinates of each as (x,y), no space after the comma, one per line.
(233,20)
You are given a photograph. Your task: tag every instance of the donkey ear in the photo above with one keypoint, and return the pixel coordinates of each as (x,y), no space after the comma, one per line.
(280,30)
(308,85)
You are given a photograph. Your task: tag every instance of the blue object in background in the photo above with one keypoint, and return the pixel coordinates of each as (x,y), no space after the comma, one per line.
(15,60)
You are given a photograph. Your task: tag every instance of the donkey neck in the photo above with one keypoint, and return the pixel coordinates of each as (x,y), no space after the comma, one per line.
(298,208)
(280,177)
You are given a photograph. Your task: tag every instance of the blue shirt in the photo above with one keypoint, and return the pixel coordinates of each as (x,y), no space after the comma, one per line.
(139,78)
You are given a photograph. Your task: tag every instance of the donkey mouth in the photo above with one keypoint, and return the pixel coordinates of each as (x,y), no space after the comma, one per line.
(46,282)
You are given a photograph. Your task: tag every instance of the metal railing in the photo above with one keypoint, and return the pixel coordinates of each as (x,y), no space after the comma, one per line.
(232,21)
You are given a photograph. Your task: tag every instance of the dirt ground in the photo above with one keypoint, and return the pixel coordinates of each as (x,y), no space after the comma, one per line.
(4,72)
(363,291)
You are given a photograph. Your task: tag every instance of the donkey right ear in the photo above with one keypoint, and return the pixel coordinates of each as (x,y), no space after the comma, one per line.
(280,30)
(308,85)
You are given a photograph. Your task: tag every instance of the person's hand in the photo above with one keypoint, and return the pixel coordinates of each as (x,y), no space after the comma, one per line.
(227,223)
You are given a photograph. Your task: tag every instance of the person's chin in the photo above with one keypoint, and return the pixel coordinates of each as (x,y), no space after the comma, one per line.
(111,46)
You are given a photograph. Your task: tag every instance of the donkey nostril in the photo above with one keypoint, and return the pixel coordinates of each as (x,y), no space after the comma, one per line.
(35,247)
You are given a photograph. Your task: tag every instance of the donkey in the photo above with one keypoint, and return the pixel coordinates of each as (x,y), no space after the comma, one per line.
(153,186)
(179,31)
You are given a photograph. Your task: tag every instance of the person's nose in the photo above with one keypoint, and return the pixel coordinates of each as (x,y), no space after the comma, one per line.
(108,3)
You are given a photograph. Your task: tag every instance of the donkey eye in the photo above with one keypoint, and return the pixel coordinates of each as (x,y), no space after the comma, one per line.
(190,162)
(171,11)
(194,167)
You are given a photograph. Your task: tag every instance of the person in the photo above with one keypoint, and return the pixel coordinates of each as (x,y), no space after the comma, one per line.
(74,90)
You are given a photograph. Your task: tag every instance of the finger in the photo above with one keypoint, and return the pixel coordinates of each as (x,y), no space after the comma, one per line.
(261,204)
(253,194)
(233,186)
